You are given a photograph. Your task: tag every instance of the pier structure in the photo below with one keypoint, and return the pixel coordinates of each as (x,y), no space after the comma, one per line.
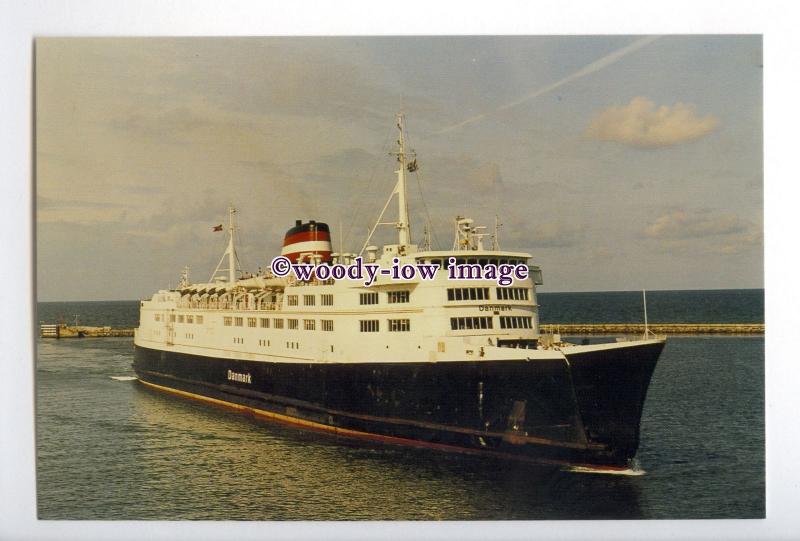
(566,329)
(657,328)
(61,330)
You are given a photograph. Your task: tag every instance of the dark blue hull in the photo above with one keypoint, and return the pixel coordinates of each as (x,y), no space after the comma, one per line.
(582,412)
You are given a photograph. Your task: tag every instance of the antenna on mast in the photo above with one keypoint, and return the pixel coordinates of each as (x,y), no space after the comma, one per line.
(644,302)
(426,239)
(495,237)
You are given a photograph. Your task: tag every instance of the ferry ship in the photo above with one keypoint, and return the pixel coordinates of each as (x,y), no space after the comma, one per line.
(456,365)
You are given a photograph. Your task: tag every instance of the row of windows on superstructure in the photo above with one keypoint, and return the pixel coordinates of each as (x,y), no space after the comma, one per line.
(326,299)
(403,296)
(368,325)
(483,261)
(392,297)
(181,318)
(515,322)
(277,323)
(394,325)
(512,293)
(485,322)
(482,293)
(468,294)
(474,322)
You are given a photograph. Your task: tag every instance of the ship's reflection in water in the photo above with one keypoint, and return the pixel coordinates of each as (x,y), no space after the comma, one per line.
(210,463)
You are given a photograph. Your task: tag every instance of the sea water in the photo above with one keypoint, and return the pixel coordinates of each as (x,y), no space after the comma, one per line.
(108,448)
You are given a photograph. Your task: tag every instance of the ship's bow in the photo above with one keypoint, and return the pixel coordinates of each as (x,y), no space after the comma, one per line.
(610,382)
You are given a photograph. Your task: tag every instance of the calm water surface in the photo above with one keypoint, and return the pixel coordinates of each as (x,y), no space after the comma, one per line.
(112,449)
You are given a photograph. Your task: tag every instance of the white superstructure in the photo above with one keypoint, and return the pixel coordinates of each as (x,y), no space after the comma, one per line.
(285,320)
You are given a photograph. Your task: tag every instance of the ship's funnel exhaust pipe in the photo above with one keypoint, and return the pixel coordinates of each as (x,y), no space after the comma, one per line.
(311,240)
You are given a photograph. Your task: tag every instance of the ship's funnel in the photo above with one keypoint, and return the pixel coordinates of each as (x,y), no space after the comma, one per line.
(307,238)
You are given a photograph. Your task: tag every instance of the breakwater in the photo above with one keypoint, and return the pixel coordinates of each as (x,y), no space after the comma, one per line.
(85,331)
(80,331)
(657,328)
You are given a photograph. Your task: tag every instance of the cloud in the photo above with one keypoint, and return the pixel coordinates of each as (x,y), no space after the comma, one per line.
(556,234)
(736,244)
(642,124)
(727,232)
(55,210)
(681,224)
(593,67)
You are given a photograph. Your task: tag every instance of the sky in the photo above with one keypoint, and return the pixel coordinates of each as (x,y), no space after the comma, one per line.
(619,162)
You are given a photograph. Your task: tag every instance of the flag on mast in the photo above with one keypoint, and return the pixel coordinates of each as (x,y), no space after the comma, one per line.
(217,228)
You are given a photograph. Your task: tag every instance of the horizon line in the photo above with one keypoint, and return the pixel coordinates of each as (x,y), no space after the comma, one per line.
(538,292)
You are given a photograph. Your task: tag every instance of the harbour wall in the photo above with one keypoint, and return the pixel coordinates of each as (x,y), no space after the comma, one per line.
(80,331)
(83,331)
(657,328)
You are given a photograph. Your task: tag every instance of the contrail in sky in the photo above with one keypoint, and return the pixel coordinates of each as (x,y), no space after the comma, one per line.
(594,67)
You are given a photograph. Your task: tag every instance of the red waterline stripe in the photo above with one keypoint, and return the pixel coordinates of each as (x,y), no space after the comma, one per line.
(355,434)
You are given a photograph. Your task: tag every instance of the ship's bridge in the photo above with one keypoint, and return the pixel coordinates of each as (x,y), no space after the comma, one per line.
(482,258)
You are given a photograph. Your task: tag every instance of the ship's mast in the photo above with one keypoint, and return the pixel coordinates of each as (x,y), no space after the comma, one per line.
(495,237)
(402,224)
(403,227)
(230,251)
